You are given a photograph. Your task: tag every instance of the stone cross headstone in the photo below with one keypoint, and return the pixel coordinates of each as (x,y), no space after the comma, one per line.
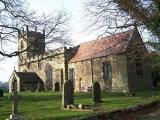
(97,93)
(68,94)
(15,98)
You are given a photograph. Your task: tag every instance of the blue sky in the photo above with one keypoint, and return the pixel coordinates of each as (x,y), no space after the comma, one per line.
(75,8)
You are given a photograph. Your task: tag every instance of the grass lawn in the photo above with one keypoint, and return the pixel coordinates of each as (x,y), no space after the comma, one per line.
(47,105)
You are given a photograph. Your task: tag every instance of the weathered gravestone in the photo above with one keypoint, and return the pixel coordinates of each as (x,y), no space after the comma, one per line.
(1,93)
(68,94)
(97,93)
(15,98)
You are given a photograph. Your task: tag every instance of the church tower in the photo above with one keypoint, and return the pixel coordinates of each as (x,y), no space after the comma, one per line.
(30,43)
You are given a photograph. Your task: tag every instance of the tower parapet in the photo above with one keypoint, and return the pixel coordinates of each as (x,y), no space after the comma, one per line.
(30,43)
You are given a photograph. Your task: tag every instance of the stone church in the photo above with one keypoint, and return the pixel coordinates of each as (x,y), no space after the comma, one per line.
(117,62)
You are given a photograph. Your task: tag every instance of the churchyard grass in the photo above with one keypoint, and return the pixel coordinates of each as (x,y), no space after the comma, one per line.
(47,105)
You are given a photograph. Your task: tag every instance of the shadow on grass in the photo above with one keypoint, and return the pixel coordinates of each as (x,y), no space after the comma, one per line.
(72,117)
(40,96)
(46,105)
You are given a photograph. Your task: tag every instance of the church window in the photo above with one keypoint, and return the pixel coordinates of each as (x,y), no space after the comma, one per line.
(107,71)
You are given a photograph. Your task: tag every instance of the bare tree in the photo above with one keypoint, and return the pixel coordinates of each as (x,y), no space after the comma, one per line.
(15,15)
(110,16)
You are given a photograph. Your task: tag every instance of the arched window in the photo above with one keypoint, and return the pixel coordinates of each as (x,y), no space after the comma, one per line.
(48,74)
(107,71)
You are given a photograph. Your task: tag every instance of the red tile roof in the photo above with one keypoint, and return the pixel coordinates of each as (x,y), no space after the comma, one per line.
(109,45)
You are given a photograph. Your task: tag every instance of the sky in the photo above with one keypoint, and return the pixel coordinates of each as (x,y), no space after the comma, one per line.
(76,11)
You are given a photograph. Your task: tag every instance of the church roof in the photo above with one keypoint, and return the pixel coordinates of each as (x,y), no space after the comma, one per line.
(105,46)
(28,77)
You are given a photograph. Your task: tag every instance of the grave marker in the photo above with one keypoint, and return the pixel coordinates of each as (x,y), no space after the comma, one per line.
(15,98)
(97,93)
(68,94)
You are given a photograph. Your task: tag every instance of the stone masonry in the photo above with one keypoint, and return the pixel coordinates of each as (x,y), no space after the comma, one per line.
(106,61)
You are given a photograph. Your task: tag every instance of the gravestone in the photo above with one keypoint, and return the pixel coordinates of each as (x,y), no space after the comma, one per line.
(68,94)
(1,93)
(57,86)
(15,98)
(80,106)
(97,93)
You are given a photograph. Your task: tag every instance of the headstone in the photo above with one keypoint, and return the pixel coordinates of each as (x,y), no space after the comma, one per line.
(68,94)
(15,98)
(1,93)
(68,107)
(97,93)
(57,86)
(80,106)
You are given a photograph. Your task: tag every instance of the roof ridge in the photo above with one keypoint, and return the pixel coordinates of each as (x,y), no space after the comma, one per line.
(109,36)
(109,45)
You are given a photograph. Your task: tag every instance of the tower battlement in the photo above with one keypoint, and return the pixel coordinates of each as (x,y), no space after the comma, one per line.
(31,43)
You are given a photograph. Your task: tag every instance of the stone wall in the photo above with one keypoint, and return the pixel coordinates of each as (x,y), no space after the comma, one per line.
(89,71)
(119,73)
(38,64)
(139,82)
(123,69)
(83,75)
(136,81)
(34,46)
